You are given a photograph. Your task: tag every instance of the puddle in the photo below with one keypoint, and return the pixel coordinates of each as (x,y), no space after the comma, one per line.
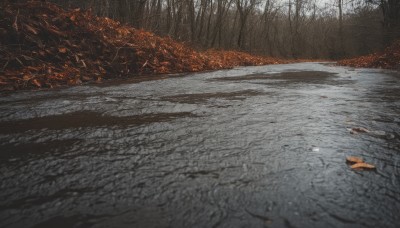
(302,76)
(86,119)
(24,150)
(204,97)
(137,79)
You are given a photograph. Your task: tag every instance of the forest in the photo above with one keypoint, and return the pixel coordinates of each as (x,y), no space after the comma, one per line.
(317,29)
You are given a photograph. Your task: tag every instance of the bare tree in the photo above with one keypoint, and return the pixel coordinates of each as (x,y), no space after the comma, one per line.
(244,8)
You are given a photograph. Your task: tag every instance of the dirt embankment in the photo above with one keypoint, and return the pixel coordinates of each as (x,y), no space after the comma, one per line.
(388,59)
(45,46)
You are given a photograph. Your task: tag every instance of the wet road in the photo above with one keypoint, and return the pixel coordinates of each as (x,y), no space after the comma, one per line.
(247,147)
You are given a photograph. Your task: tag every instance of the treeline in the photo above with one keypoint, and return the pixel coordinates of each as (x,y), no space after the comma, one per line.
(282,28)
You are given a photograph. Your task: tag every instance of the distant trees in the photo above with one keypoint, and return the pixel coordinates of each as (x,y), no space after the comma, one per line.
(244,8)
(391,18)
(341,35)
(286,28)
(391,13)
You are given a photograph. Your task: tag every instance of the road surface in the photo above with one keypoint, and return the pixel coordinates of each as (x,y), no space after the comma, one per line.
(248,147)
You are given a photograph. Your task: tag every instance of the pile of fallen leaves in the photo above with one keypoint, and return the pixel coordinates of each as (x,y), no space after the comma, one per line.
(43,45)
(220,59)
(388,59)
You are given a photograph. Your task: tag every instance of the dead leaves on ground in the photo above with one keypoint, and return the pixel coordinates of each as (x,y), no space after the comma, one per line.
(358,163)
(53,46)
(388,59)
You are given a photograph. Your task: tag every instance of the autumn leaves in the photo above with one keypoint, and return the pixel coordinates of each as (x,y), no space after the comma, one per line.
(46,46)
(389,59)
(358,163)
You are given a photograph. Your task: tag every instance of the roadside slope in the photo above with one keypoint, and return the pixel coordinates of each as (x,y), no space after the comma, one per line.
(43,45)
(388,59)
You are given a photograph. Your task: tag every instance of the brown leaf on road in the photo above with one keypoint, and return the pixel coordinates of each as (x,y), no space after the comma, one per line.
(354,159)
(363,165)
(358,163)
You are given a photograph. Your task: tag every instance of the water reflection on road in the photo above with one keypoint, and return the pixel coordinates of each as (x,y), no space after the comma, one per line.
(248,147)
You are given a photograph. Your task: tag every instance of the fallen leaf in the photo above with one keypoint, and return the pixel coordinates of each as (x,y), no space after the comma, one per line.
(363,165)
(26,77)
(166,64)
(56,32)
(353,159)
(62,50)
(31,29)
(36,83)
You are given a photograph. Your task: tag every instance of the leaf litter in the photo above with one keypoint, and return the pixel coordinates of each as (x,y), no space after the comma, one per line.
(388,59)
(43,45)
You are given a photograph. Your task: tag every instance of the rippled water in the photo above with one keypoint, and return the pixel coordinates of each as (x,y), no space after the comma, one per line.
(248,147)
